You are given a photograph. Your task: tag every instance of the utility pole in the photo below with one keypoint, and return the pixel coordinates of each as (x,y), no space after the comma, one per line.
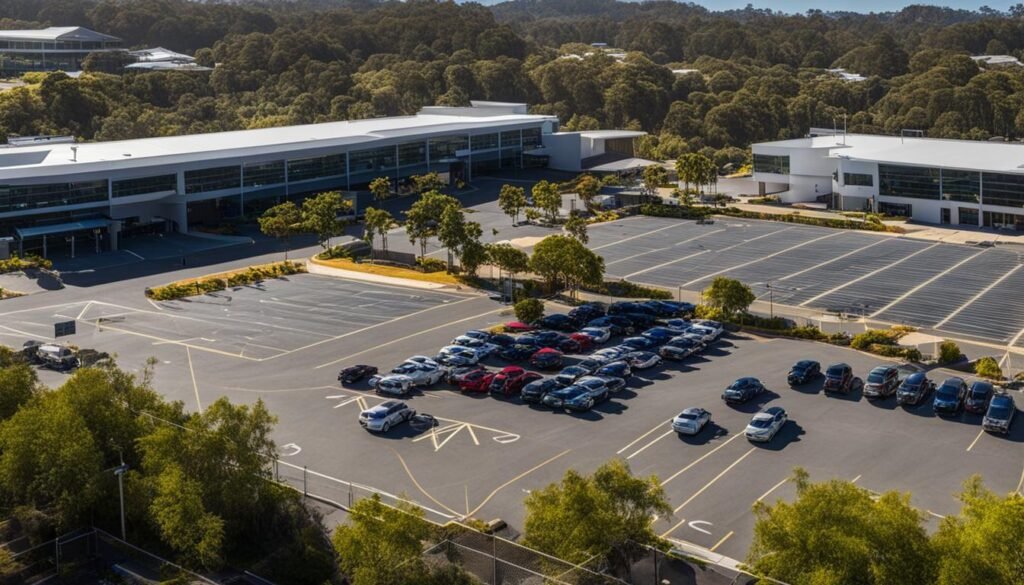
(119,472)
(771,299)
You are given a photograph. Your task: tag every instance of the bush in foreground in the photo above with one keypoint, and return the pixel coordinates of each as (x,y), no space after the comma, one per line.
(529,310)
(988,367)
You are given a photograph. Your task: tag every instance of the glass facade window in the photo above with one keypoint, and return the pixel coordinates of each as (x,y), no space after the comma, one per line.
(1004,189)
(770,163)
(967,216)
(531,138)
(484,141)
(374,159)
(413,153)
(442,148)
(901,181)
(961,186)
(895,209)
(314,168)
(143,185)
(215,179)
(858,180)
(19,197)
(511,139)
(260,174)
(997,220)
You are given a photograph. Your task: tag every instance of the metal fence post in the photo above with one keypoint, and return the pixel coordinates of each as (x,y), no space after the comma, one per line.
(304,491)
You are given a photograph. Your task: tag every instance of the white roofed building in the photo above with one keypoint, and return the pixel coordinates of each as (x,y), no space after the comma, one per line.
(57,48)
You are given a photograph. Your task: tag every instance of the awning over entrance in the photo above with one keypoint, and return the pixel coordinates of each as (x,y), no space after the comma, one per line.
(61,228)
(626,164)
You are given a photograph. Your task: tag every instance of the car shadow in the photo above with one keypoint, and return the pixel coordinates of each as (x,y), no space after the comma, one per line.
(401,431)
(611,407)
(653,374)
(813,387)
(717,352)
(853,395)
(637,382)
(790,433)
(884,402)
(962,416)
(924,409)
(710,432)
(756,403)
(590,415)
(625,394)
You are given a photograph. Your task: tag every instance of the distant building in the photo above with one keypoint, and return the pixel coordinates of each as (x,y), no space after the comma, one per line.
(58,48)
(846,75)
(997,60)
(684,71)
(161,59)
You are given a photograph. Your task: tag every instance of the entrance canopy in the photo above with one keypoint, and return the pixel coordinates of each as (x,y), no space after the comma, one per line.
(61,228)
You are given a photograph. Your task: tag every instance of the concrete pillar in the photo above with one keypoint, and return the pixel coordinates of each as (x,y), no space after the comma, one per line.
(180,209)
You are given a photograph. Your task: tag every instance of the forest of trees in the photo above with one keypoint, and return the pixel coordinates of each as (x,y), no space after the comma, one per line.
(761,74)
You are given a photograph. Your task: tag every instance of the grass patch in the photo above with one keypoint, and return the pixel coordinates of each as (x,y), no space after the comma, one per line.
(223,280)
(395,271)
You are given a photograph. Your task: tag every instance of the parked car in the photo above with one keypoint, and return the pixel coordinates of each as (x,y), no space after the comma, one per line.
(422,359)
(639,343)
(574,398)
(882,382)
(484,349)
(511,379)
(978,397)
(950,396)
(593,362)
(457,373)
(587,312)
(679,307)
(420,374)
(914,389)
(556,340)
(659,335)
(518,352)
(618,324)
(393,385)
(556,321)
(502,340)
(706,334)
(803,372)
(840,378)
(385,415)
(598,335)
(680,348)
(678,326)
(457,355)
(623,307)
(569,374)
(57,357)
(583,341)
(640,321)
(535,391)
(616,369)
(477,334)
(716,327)
(546,358)
(691,421)
(742,390)
(518,327)
(659,309)
(476,381)
(642,360)
(353,374)
(999,417)
(766,424)
(596,383)
(611,354)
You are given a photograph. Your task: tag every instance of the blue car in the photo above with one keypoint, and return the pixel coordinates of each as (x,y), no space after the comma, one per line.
(639,343)
(575,398)
(518,352)
(536,391)
(659,335)
(618,369)
(587,312)
(949,398)
(617,324)
(558,322)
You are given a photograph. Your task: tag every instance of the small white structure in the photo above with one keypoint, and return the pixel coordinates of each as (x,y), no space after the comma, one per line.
(846,75)
(579,151)
(997,60)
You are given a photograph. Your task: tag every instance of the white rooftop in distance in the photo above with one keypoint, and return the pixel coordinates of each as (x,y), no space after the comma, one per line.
(606,134)
(934,152)
(159,54)
(54,33)
(997,60)
(167,66)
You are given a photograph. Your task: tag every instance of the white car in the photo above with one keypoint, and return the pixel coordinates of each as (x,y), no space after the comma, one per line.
(422,359)
(641,360)
(612,354)
(394,385)
(706,334)
(457,355)
(420,374)
(481,347)
(766,424)
(598,334)
(714,326)
(385,415)
(691,421)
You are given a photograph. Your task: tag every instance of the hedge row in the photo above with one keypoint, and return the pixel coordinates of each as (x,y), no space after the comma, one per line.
(218,282)
(16,263)
(683,212)
(628,290)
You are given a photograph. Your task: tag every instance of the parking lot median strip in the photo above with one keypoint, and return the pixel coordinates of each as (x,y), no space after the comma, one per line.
(701,458)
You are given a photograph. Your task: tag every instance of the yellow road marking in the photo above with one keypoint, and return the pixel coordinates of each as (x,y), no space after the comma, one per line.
(515,479)
(418,486)
(719,543)
(701,458)
(472,434)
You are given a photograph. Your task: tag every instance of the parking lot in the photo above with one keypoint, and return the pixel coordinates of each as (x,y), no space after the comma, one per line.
(957,290)
(285,343)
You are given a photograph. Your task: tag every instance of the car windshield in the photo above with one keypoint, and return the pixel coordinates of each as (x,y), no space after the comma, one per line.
(835,372)
(910,385)
(999,411)
(946,392)
(761,423)
(378,413)
(875,378)
(798,369)
(687,416)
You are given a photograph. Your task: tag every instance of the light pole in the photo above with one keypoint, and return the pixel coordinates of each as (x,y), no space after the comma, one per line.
(119,472)
(771,300)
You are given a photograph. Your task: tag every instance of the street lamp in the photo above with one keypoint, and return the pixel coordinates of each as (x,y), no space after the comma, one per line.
(119,472)
(771,299)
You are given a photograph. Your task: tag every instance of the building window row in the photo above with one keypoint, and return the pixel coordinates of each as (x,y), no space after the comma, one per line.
(144,185)
(484,141)
(914,182)
(214,179)
(305,169)
(1004,189)
(19,197)
(858,180)
(374,159)
(263,174)
(770,163)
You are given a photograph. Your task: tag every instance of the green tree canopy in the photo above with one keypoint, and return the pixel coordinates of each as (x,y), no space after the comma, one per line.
(654,176)
(576,226)
(282,222)
(529,310)
(423,220)
(381,545)
(425,182)
(508,258)
(512,200)
(320,215)
(587,187)
(547,199)
(728,295)
(380,188)
(565,260)
(377,223)
(18,383)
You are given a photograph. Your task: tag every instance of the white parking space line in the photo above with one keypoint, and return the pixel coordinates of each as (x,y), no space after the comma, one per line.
(701,458)
(705,234)
(18,331)
(703,489)
(902,297)
(868,275)
(774,487)
(980,294)
(641,449)
(727,248)
(643,436)
(192,372)
(643,235)
(836,259)
(761,259)
(975,441)
(1020,484)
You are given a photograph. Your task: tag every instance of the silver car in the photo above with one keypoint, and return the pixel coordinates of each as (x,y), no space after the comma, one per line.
(385,415)
(393,385)
(483,348)
(457,355)
(691,421)
(766,424)
(419,374)
(598,334)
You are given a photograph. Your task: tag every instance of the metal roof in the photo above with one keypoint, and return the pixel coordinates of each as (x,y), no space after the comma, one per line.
(61,228)
(55,33)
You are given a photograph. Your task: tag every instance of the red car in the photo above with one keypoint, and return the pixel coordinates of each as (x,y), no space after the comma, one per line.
(518,327)
(476,381)
(510,380)
(586,342)
(547,359)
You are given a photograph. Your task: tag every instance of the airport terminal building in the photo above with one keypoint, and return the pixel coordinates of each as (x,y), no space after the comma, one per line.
(58,189)
(937,181)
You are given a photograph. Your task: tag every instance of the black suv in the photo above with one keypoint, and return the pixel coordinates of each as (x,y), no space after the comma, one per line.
(882,382)
(949,398)
(840,378)
(978,397)
(914,389)
(803,372)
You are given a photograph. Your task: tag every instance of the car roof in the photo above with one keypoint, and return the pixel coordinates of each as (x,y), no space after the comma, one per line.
(385,405)
(692,410)
(915,377)
(510,369)
(953,380)
(881,369)
(839,365)
(1002,398)
(981,385)
(805,363)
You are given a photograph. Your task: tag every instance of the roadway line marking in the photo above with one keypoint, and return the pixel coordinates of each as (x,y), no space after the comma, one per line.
(410,336)
(736,245)
(971,446)
(640,450)
(133,253)
(837,258)
(720,542)
(939,516)
(472,434)
(192,372)
(701,458)
(645,234)
(761,259)
(856,479)
(515,479)
(701,490)
(774,487)
(641,437)
(44,308)
(434,432)
(84,309)
(663,249)
(19,332)
(418,486)
(156,306)
(978,296)
(900,298)
(171,341)
(868,275)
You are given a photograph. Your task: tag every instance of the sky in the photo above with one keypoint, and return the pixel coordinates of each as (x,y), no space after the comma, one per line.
(847,5)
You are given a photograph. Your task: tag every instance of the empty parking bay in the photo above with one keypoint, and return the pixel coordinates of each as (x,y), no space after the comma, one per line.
(998,314)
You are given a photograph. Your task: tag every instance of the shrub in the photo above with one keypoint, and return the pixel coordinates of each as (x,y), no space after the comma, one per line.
(698,212)
(529,310)
(603,216)
(988,367)
(16,263)
(208,284)
(427,264)
(949,352)
(871,337)
(628,290)
(676,211)
(907,353)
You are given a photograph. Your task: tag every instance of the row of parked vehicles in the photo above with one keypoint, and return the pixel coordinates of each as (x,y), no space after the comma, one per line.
(651,332)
